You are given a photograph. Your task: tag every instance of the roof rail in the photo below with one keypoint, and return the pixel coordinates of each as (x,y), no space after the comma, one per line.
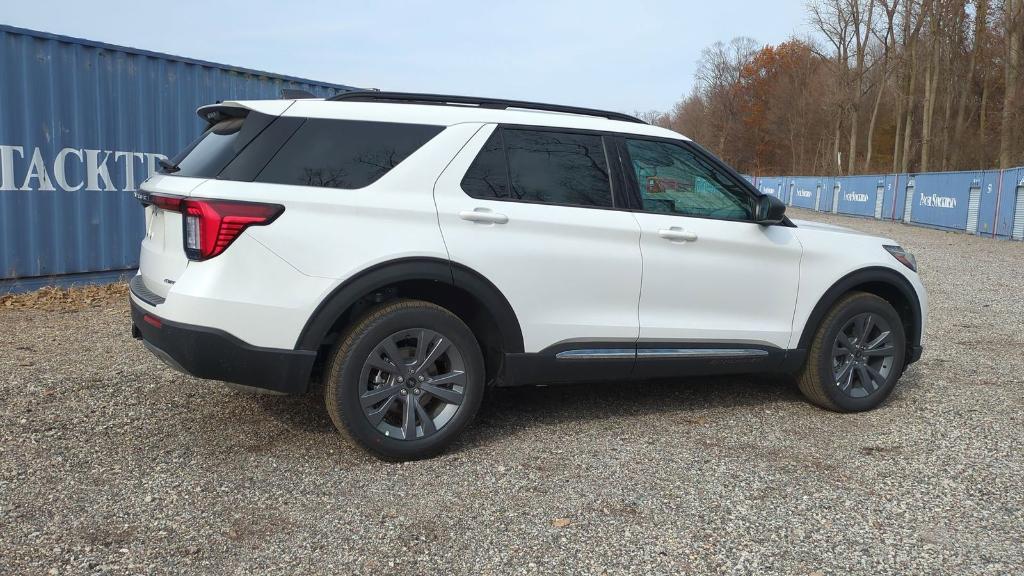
(493,103)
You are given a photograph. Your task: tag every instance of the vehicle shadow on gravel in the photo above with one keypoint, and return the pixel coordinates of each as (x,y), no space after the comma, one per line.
(560,403)
(538,406)
(299,412)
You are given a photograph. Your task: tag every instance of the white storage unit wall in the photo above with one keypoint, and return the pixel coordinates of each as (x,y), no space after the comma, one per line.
(1018,215)
(973,208)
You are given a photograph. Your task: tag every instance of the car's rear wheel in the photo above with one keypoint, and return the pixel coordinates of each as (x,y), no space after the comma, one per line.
(856,356)
(405,380)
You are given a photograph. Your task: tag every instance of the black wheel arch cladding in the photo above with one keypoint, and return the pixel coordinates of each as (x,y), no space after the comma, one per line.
(873,280)
(395,272)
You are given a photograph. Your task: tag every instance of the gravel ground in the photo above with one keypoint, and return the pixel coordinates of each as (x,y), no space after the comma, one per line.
(111,463)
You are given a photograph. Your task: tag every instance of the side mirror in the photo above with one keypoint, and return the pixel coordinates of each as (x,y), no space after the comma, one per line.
(769,210)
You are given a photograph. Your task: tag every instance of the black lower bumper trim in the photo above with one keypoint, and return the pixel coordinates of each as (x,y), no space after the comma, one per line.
(138,287)
(216,355)
(915,353)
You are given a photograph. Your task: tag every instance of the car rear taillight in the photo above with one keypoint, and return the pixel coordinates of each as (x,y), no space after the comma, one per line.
(210,226)
(172,203)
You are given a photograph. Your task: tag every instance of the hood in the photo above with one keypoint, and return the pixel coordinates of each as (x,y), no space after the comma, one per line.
(809,225)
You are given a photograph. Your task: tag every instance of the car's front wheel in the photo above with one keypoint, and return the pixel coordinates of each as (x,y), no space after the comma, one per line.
(405,380)
(856,356)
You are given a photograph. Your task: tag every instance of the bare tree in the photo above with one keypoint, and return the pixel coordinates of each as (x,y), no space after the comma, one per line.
(654,117)
(847,24)
(888,39)
(718,72)
(1014,21)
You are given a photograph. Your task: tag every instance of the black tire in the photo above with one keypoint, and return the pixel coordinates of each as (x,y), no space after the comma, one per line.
(345,381)
(823,377)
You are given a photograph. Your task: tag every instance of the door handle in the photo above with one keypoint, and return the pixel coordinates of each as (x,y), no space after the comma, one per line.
(677,234)
(484,216)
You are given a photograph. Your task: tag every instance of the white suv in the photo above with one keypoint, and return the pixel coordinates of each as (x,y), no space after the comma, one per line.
(408,251)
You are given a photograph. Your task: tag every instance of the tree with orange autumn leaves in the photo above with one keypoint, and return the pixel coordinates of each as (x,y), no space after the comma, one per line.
(884,86)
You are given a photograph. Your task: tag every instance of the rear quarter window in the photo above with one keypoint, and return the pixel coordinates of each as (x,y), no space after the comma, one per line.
(345,154)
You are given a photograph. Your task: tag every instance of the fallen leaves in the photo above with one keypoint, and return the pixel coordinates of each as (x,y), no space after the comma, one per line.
(55,299)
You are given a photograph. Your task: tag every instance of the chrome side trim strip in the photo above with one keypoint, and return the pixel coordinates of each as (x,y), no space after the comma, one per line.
(700,352)
(597,354)
(621,353)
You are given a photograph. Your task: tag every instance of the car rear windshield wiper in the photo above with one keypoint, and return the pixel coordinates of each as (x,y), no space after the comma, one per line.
(168,166)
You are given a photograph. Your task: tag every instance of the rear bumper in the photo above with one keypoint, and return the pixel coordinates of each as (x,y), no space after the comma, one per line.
(216,355)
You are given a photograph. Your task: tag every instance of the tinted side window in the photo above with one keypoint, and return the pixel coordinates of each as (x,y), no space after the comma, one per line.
(344,153)
(218,145)
(487,176)
(675,180)
(557,167)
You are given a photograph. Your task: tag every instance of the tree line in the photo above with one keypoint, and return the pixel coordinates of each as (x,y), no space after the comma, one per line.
(880,86)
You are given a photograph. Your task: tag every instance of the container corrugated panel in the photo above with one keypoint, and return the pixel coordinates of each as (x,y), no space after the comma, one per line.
(989,201)
(1013,186)
(825,192)
(771,185)
(893,197)
(805,191)
(81,125)
(857,194)
(941,199)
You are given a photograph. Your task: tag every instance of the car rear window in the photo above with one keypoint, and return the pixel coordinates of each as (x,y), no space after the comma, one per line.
(300,151)
(218,145)
(346,154)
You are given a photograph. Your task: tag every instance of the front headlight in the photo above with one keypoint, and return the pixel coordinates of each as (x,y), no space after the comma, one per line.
(906,258)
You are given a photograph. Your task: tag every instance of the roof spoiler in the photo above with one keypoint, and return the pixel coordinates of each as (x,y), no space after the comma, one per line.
(213,113)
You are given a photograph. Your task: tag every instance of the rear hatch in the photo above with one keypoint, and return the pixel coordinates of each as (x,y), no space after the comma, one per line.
(231,127)
(162,258)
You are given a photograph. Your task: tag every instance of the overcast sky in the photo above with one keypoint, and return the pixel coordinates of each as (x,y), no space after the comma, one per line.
(624,55)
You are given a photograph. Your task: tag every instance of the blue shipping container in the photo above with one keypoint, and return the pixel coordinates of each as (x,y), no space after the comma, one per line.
(987,203)
(858,194)
(82,124)
(894,196)
(772,185)
(941,199)
(999,193)
(805,191)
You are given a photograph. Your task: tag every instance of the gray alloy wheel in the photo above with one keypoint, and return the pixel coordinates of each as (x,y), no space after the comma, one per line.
(412,384)
(863,355)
